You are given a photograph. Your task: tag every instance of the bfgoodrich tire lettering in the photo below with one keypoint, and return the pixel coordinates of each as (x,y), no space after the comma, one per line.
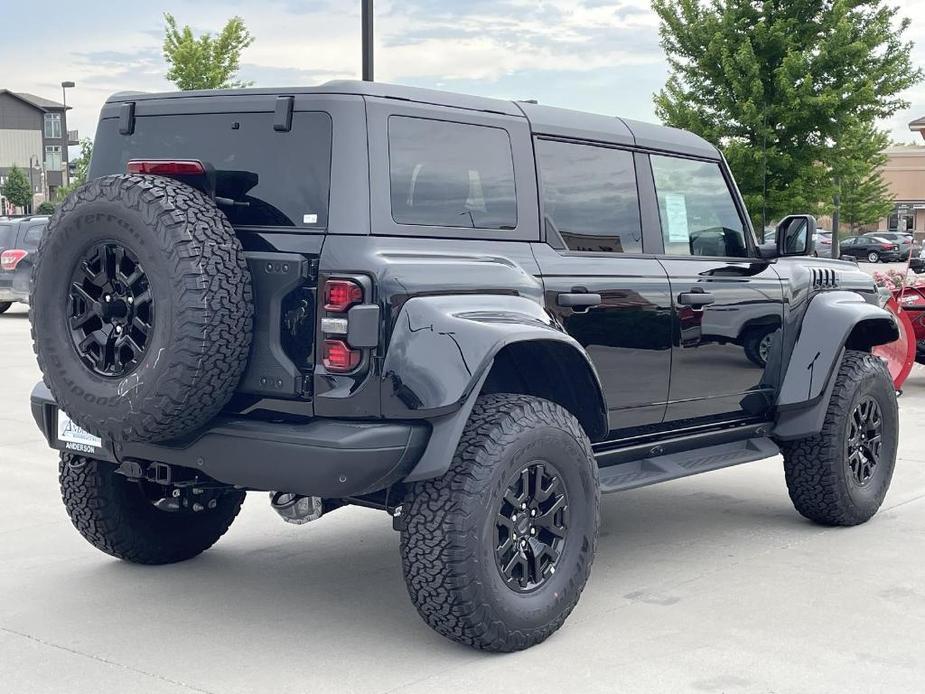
(818,471)
(200,286)
(448,535)
(114,516)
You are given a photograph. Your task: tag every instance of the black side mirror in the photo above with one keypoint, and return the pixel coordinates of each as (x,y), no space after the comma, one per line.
(796,235)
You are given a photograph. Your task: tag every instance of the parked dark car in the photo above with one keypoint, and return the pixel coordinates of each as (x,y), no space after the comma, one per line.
(475,315)
(873,248)
(19,239)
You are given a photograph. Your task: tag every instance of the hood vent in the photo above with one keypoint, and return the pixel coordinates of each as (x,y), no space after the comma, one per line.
(824,278)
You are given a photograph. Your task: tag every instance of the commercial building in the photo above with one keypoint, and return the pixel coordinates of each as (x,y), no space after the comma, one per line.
(904,172)
(34,137)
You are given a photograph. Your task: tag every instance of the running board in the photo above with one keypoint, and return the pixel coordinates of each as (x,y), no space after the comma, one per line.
(672,466)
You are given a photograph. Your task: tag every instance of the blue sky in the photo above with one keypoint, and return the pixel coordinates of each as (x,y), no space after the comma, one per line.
(595,55)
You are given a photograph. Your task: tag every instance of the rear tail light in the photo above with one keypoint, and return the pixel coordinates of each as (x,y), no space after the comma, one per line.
(339,295)
(166,167)
(338,357)
(887,246)
(10,259)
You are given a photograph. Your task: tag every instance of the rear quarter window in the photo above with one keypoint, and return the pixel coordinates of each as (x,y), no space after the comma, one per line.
(6,235)
(449,174)
(277,179)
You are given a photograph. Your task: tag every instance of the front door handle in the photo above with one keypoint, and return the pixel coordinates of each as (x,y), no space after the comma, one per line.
(578,300)
(696,297)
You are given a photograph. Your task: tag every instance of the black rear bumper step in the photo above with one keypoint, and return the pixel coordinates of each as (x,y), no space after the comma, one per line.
(671,466)
(324,457)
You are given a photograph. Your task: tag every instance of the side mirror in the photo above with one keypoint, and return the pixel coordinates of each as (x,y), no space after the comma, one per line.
(796,235)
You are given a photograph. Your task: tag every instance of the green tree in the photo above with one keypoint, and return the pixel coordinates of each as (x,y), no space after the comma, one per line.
(773,84)
(17,189)
(856,161)
(45,208)
(81,166)
(206,62)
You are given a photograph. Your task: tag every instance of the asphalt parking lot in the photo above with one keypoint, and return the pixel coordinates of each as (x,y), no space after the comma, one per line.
(711,584)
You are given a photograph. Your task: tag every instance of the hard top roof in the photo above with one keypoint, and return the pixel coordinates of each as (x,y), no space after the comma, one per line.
(544,120)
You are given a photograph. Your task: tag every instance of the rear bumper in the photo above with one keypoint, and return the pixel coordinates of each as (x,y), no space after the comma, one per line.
(323,457)
(7,290)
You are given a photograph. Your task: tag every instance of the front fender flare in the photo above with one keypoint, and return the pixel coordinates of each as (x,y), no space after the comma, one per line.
(828,325)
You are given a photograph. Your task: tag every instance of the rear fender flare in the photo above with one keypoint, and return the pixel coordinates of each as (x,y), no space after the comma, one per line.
(441,353)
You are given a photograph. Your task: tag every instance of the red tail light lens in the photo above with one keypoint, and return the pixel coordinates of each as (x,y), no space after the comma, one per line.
(338,357)
(10,259)
(339,295)
(887,246)
(165,167)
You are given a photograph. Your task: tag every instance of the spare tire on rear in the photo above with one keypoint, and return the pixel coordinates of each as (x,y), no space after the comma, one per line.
(141,308)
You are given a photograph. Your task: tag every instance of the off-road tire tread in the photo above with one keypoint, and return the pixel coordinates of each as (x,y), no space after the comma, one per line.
(813,465)
(435,559)
(211,341)
(102,508)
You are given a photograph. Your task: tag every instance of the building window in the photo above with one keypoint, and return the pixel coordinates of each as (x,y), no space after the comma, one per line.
(52,157)
(53,126)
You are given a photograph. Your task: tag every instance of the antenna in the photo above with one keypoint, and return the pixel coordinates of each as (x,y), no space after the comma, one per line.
(368,40)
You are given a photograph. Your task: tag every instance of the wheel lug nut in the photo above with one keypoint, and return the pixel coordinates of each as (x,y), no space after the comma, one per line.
(533,512)
(514,518)
(107,298)
(118,329)
(533,531)
(523,543)
(523,506)
(131,300)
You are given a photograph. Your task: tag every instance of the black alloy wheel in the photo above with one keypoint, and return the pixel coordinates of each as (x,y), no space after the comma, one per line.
(864,439)
(111,312)
(530,527)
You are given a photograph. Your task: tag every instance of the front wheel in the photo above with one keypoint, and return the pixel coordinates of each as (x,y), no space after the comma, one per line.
(496,552)
(841,475)
(873,257)
(129,520)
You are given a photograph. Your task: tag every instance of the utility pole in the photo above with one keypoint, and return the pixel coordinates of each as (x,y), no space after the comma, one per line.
(836,214)
(368,41)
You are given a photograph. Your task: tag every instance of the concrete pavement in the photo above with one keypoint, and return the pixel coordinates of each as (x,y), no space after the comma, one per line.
(711,584)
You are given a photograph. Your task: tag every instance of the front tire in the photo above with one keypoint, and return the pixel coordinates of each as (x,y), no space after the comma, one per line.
(841,475)
(114,515)
(496,552)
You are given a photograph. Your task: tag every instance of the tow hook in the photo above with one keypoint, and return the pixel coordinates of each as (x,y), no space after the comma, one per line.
(295,508)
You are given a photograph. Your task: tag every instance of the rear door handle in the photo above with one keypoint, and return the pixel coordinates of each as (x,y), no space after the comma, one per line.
(696,297)
(578,300)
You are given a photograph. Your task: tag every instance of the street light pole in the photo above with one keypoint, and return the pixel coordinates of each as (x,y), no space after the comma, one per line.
(367,30)
(64,87)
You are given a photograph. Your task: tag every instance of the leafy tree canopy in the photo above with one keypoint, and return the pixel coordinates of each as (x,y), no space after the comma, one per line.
(16,188)
(775,84)
(207,62)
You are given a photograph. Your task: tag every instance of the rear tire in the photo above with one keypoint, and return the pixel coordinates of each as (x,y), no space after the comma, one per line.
(5,306)
(873,257)
(830,476)
(113,515)
(469,575)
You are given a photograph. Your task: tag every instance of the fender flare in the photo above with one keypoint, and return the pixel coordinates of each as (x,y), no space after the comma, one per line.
(833,322)
(441,352)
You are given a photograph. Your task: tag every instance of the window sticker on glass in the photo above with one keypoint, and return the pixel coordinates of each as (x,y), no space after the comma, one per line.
(309,219)
(676,213)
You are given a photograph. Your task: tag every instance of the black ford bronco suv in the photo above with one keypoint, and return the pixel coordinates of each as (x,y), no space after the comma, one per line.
(476,315)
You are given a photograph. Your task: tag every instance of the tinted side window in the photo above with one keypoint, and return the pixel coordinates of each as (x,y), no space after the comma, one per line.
(6,236)
(451,174)
(32,236)
(697,211)
(274,178)
(590,196)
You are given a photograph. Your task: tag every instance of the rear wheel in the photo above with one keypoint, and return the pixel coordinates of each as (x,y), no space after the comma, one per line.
(5,306)
(873,257)
(841,475)
(497,551)
(132,520)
